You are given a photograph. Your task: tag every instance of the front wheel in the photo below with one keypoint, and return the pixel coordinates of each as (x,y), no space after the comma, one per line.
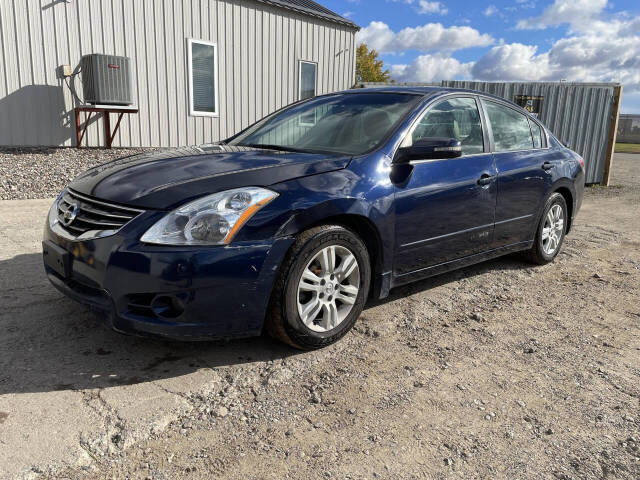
(551,231)
(321,289)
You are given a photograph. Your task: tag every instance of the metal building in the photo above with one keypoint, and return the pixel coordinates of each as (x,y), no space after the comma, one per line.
(264,54)
(629,129)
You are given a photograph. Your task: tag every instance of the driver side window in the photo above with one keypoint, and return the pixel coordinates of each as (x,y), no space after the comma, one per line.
(457,118)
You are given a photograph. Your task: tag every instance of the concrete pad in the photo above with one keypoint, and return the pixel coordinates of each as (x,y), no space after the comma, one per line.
(142,410)
(70,388)
(38,430)
(21,225)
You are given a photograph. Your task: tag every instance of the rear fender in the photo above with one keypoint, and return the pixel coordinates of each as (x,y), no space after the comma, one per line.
(561,183)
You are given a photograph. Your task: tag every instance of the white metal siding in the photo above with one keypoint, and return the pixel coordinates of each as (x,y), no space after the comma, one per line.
(259,48)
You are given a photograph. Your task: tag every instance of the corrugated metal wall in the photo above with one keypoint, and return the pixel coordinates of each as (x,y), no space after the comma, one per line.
(259,47)
(578,114)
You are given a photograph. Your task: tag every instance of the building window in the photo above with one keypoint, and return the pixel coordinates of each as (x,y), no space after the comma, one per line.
(203,78)
(307,80)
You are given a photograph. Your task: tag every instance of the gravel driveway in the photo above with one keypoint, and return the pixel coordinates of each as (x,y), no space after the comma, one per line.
(501,370)
(44,172)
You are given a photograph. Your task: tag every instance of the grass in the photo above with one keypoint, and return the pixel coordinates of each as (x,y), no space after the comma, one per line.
(627,147)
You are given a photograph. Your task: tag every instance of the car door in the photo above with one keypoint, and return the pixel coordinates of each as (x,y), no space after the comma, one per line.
(445,209)
(523,165)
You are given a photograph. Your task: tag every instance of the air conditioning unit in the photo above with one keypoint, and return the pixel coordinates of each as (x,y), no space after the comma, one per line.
(106,79)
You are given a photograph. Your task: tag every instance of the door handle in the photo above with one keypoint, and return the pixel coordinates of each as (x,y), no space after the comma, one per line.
(486,179)
(547,166)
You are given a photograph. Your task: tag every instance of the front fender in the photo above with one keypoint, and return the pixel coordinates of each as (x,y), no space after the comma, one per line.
(345,193)
(361,194)
(313,215)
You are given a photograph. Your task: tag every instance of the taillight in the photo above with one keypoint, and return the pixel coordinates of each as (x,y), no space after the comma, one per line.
(581,160)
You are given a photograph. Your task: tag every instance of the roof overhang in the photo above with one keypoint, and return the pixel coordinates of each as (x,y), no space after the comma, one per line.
(330,17)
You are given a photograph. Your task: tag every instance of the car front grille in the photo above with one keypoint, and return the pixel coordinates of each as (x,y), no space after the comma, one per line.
(79,214)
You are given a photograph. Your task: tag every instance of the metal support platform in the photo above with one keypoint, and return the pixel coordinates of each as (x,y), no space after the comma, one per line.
(106,110)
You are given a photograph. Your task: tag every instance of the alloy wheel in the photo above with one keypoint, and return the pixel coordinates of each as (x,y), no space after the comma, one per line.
(553,229)
(328,288)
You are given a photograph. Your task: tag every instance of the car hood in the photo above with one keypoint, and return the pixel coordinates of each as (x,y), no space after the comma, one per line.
(166,178)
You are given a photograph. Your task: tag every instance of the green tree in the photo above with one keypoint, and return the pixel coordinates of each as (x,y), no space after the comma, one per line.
(368,67)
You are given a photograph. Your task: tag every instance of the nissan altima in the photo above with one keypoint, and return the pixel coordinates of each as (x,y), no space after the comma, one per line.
(292,224)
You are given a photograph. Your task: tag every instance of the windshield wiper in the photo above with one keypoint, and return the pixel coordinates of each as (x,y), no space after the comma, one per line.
(274,147)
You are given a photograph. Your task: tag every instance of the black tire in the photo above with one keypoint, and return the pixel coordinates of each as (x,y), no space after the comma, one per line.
(537,252)
(283,320)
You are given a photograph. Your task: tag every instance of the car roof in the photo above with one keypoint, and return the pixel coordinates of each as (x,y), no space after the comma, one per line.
(400,89)
(424,91)
(435,91)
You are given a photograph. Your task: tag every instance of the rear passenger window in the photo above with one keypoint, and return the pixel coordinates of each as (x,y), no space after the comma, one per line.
(537,134)
(510,129)
(456,118)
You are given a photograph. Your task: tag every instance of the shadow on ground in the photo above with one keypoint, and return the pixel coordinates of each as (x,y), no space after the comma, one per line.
(49,342)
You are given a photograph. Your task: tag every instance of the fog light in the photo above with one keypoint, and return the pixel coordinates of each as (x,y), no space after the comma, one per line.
(167,306)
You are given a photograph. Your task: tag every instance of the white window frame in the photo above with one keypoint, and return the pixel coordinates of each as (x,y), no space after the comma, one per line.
(192,111)
(315,86)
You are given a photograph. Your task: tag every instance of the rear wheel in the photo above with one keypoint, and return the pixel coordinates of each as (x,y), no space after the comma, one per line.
(321,289)
(551,231)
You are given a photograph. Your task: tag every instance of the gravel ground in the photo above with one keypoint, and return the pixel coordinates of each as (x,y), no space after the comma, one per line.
(44,172)
(502,370)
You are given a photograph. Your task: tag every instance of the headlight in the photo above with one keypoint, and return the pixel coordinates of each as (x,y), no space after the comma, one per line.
(53,211)
(211,220)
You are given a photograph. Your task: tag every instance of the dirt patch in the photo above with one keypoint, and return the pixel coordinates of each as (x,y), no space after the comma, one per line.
(501,370)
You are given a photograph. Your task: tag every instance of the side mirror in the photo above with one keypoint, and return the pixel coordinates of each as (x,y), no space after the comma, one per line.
(430,149)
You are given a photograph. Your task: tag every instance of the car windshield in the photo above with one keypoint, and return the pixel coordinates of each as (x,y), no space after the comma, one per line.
(352,123)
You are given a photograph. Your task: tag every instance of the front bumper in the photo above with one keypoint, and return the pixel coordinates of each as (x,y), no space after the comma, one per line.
(171,291)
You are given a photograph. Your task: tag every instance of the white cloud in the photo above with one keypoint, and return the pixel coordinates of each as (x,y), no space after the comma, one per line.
(605,52)
(398,72)
(426,7)
(431,68)
(432,7)
(433,36)
(490,10)
(427,38)
(377,35)
(574,12)
(511,62)
(596,51)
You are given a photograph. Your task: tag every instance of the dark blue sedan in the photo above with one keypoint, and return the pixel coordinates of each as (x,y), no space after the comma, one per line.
(292,224)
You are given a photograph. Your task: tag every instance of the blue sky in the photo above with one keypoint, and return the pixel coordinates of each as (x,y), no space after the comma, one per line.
(536,40)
